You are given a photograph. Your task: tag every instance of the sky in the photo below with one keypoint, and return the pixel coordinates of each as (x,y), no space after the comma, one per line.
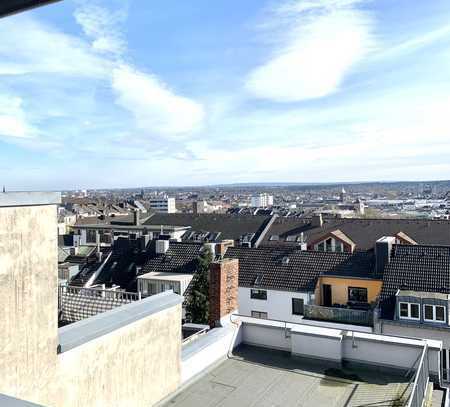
(131,93)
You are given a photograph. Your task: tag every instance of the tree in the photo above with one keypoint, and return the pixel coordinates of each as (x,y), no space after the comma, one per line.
(197,304)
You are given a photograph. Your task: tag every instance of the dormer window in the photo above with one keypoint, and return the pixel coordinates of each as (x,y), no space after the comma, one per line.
(409,310)
(434,313)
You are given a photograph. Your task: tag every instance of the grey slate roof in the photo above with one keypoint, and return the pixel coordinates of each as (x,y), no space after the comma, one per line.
(265,268)
(229,226)
(179,258)
(415,268)
(364,232)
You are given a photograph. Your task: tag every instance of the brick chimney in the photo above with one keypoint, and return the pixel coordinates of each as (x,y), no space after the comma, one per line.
(223,290)
(222,246)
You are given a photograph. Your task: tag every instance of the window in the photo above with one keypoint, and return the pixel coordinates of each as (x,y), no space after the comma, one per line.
(258,314)
(91,236)
(357,294)
(409,310)
(321,247)
(297,306)
(258,294)
(434,313)
(274,238)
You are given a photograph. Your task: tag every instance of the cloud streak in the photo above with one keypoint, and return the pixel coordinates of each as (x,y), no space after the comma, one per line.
(102,26)
(321,42)
(13,123)
(156,108)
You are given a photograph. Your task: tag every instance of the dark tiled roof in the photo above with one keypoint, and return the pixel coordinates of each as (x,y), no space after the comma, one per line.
(364,232)
(179,258)
(269,269)
(417,268)
(229,226)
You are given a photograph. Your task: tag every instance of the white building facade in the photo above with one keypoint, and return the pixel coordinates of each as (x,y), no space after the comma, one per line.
(273,304)
(163,205)
(262,201)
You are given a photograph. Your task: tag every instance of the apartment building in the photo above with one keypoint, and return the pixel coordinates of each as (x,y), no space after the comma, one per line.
(163,205)
(261,201)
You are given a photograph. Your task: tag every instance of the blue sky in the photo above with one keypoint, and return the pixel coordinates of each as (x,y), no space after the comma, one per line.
(123,93)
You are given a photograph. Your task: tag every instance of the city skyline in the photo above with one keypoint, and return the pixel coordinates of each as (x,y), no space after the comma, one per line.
(114,94)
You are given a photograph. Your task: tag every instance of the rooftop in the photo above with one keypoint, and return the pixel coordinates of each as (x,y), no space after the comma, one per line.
(263,377)
(179,258)
(229,226)
(293,269)
(29,198)
(363,232)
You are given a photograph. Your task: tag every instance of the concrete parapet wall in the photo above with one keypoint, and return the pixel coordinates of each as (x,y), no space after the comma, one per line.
(138,364)
(28,301)
(130,356)
(337,345)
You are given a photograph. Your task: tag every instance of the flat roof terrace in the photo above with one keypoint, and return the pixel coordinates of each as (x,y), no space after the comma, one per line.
(263,377)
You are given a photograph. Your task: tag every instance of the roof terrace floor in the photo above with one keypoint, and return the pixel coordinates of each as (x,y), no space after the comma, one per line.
(262,377)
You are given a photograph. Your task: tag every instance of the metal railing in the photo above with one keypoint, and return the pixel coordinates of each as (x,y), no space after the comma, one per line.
(421,379)
(99,293)
(77,303)
(342,315)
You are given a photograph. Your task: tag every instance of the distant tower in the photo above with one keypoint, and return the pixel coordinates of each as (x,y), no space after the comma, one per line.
(4,189)
(342,195)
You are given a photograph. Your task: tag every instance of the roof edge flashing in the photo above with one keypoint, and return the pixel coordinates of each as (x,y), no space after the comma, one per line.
(13,199)
(81,332)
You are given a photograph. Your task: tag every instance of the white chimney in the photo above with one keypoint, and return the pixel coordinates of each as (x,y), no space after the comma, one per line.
(162,246)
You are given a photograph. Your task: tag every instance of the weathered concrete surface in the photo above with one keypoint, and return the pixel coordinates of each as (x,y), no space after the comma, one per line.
(28,301)
(264,377)
(136,365)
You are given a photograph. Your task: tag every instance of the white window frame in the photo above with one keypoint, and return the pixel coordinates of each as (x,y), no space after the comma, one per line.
(434,306)
(409,310)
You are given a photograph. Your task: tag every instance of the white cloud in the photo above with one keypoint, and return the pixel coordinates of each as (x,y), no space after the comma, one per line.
(321,42)
(13,122)
(101,25)
(28,47)
(156,108)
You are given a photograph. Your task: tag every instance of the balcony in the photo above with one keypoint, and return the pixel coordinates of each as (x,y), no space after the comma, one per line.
(341,315)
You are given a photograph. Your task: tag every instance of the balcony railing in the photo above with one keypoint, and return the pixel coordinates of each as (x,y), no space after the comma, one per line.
(421,380)
(77,303)
(341,315)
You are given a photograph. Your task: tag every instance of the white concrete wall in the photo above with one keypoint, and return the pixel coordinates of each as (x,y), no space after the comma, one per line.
(278,304)
(197,356)
(136,365)
(336,345)
(306,343)
(28,301)
(266,336)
